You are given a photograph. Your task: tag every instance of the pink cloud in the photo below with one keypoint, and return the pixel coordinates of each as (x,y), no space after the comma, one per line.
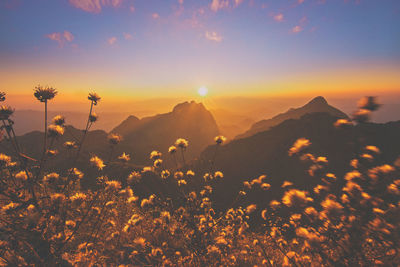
(180,2)
(213,36)
(155,16)
(94,6)
(61,38)
(296,29)
(127,36)
(132,8)
(300,1)
(224,4)
(112,40)
(279,17)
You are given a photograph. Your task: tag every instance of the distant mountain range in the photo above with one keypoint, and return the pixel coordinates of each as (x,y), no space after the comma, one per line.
(318,104)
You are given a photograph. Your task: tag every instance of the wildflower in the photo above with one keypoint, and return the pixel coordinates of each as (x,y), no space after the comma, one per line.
(362,115)
(274,204)
(182,182)
(76,174)
(5,112)
(43,94)
(97,162)
(264,214)
(242,193)
(352,175)
(158,163)
(299,145)
(247,184)
(181,143)
(55,130)
(373,149)
(311,212)
(165,174)
(286,184)
(57,197)
(79,197)
(343,123)
(124,157)
(172,150)
(114,139)
(295,198)
(59,120)
(190,173)
(93,117)
(22,176)
(51,153)
(353,189)
(145,202)
(2,96)
(220,139)
(154,155)
(251,208)
(332,209)
(94,98)
(4,160)
(374,173)
(393,189)
(51,178)
(156,252)
(134,177)
(265,186)
(113,185)
(368,103)
(70,224)
(132,199)
(70,144)
(178,175)
(147,169)
(218,175)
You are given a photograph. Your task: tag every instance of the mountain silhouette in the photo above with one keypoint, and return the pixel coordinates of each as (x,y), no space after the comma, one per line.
(189,120)
(318,104)
(267,153)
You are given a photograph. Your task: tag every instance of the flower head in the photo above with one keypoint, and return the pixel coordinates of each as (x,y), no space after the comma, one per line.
(114,138)
(94,98)
(299,145)
(55,130)
(43,94)
(154,155)
(124,157)
(59,120)
(172,149)
(295,198)
(97,162)
(220,139)
(2,96)
(4,160)
(181,143)
(70,144)
(5,112)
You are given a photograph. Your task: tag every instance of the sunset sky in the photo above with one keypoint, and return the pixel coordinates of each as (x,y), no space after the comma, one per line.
(148,48)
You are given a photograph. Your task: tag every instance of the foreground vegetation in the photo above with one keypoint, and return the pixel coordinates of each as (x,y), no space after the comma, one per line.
(48,219)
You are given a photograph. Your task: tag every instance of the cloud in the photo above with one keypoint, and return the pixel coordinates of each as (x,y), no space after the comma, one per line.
(300,1)
(94,6)
(112,40)
(224,4)
(279,17)
(180,2)
(132,8)
(61,38)
(127,36)
(155,16)
(297,29)
(213,36)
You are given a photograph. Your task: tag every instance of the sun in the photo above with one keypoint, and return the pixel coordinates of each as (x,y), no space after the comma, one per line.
(203,91)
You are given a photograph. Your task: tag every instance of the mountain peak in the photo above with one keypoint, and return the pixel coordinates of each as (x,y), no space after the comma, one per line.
(192,105)
(319,100)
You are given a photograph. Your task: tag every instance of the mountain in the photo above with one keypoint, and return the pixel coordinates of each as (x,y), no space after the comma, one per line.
(267,153)
(318,104)
(189,120)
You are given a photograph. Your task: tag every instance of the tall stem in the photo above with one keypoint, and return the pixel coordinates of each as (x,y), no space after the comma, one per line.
(45,127)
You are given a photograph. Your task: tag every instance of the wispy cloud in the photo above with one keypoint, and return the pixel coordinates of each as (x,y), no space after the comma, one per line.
(297,29)
(224,4)
(61,38)
(279,17)
(128,36)
(155,16)
(300,27)
(213,36)
(112,40)
(94,6)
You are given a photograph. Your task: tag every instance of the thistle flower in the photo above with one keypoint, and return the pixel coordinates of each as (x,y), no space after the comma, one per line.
(178,175)
(158,163)
(251,208)
(220,139)
(343,123)
(265,186)
(114,138)
(59,120)
(55,130)
(97,162)
(43,94)
(165,174)
(2,96)
(172,150)
(295,198)
(113,185)
(4,160)
(154,155)
(22,176)
(362,115)
(298,146)
(51,178)
(5,112)
(218,175)
(94,98)
(286,184)
(373,149)
(76,174)
(332,209)
(124,157)
(70,144)
(190,173)
(181,143)
(182,182)
(368,103)
(134,177)
(51,152)
(93,117)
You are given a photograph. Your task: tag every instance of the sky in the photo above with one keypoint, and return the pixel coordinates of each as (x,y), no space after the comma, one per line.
(139,49)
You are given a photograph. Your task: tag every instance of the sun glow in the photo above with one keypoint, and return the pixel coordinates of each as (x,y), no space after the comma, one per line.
(203,91)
